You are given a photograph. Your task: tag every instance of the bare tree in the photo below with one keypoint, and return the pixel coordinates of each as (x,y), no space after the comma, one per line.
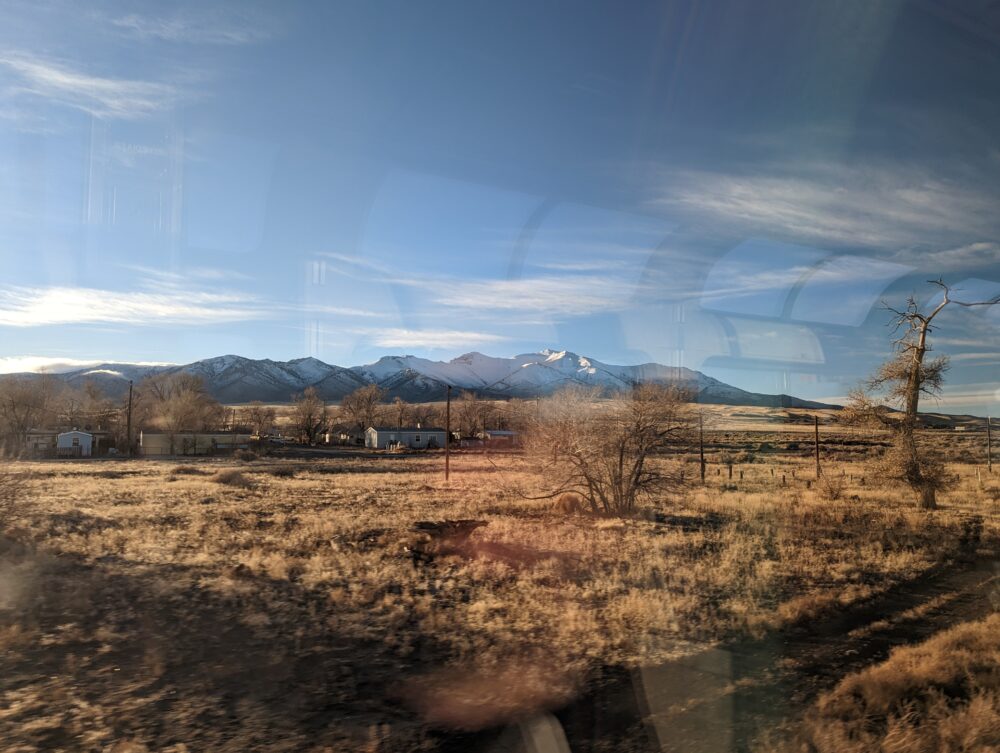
(427,414)
(604,450)
(87,408)
(26,403)
(401,409)
(178,403)
(308,414)
(470,412)
(891,396)
(259,418)
(361,407)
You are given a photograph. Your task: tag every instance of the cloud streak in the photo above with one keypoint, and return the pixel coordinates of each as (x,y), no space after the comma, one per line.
(873,206)
(207,29)
(51,365)
(548,295)
(34,307)
(102,97)
(430,338)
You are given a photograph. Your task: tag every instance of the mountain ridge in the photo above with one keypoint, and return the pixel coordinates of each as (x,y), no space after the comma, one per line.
(235,379)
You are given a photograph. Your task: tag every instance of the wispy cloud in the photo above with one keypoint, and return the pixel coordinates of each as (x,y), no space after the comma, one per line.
(103,97)
(53,365)
(218,28)
(873,206)
(556,296)
(33,307)
(430,338)
(968,256)
(318,309)
(548,295)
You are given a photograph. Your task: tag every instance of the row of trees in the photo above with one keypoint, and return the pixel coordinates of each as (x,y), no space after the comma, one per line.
(180,402)
(39,401)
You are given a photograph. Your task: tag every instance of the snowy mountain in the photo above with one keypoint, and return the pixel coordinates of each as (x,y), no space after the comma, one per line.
(234,379)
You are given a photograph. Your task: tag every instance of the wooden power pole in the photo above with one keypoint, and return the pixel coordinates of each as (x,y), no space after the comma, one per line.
(128,420)
(816,444)
(447,434)
(701,445)
(989,444)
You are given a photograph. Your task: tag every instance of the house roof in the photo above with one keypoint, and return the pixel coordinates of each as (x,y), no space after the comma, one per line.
(408,429)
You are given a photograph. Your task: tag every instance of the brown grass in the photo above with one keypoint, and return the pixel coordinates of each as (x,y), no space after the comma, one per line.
(941,695)
(233,616)
(233,477)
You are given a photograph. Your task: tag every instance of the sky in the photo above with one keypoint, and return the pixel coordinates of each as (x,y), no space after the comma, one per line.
(728,186)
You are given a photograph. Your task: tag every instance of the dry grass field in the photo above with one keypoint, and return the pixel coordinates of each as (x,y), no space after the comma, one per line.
(290,605)
(941,695)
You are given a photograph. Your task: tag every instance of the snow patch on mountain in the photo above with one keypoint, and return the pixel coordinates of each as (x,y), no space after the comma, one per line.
(234,379)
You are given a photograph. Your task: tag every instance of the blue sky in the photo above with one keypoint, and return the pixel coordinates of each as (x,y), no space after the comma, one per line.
(722,185)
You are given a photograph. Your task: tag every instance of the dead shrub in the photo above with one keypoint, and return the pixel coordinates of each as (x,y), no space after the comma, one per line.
(282,471)
(831,487)
(188,470)
(233,478)
(246,455)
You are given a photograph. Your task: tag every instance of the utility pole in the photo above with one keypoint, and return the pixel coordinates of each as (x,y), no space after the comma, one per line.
(128,420)
(816,444)
(447,434)
(701,445)
(989,444)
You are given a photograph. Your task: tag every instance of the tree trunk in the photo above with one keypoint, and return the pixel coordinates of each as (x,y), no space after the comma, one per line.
(928,497)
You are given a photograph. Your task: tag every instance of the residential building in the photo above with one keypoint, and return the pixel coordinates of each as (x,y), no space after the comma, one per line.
(74,444)
(413,437)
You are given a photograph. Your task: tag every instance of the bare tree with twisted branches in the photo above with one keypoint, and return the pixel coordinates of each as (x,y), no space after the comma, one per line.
(891,396)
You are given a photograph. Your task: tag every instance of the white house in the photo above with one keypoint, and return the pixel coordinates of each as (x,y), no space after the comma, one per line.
(416,438)
(75,444)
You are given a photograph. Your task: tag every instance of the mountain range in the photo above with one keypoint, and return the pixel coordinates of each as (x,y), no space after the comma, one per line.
(234,379)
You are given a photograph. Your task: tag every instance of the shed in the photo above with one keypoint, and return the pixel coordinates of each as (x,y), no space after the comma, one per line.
(75,444)
(41,442)
(499,436)
(414,437)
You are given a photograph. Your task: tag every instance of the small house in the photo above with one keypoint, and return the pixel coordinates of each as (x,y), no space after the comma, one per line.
(415,438)
(74,444)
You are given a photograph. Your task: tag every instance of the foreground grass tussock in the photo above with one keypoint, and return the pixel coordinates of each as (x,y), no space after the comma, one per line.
(942,696)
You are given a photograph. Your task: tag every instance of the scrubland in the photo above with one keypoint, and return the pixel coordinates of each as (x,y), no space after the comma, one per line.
(228,605)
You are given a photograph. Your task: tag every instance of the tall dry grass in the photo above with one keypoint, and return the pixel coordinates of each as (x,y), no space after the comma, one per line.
(307,566)
(942,695)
